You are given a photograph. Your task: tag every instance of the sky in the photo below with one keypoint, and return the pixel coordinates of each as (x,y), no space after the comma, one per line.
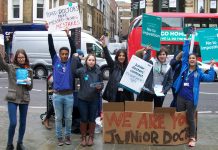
(129,1)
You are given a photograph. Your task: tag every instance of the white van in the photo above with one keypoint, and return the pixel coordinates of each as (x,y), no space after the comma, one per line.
(35,44)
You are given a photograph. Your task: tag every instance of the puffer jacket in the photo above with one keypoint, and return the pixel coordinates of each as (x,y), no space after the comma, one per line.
(18,94)
(198,74)
(116,73)
(87,77)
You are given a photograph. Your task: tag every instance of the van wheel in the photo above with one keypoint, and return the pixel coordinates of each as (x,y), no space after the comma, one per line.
(105,72)
(40,72)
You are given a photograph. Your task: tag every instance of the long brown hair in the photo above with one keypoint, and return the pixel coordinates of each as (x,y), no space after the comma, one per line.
(91,54)
(22,51)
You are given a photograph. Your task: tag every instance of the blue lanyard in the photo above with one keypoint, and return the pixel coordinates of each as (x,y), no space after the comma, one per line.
(187,76)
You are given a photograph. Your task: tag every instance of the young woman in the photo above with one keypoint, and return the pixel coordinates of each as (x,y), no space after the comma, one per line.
(159,78)
(187,86)
(112,92)
(91,84)
(18,95)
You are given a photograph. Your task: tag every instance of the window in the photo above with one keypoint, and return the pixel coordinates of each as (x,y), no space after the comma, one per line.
(40,8)
(16,9)
(201,22)
(171,22)
(213,6)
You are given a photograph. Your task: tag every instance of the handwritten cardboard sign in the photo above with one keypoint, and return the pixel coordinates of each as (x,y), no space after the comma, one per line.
(151,128)
(136,72)
(63,17)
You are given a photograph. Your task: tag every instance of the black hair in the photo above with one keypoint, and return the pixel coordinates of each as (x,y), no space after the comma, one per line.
(64,48)
(125,63)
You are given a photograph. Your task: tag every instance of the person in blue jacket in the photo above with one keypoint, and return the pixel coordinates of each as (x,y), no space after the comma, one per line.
(187,86)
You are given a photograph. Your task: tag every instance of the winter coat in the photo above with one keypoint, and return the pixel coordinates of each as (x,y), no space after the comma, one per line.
(116,73)
(87,77)
(18,94)
(198,74)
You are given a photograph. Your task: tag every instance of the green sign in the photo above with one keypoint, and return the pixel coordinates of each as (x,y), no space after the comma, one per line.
(174,36)
(151,31)
(208,44)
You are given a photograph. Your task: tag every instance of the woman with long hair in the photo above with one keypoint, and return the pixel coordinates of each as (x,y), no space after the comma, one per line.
(187,87)
(112,92)
(20,80)
(91,84)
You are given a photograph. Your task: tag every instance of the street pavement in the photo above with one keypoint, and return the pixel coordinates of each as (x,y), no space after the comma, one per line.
(37,137)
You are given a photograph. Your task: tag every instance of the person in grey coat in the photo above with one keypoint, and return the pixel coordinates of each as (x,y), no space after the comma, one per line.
(160,76)
(20,81)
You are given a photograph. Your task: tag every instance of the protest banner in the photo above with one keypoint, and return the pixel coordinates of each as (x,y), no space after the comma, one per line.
(151,31)
(136,72)
(63,17)
(208,39)
(138,124)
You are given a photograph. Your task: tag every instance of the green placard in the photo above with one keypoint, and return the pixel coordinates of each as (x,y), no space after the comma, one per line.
(208,40)
(151,31)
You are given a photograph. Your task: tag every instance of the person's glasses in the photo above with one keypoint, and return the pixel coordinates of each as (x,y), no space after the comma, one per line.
(21,58)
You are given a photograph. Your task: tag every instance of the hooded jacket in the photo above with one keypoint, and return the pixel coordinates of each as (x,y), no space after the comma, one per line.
(198,74)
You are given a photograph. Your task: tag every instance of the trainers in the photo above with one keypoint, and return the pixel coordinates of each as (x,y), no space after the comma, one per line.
(60,142)
(192,142)
(67,140)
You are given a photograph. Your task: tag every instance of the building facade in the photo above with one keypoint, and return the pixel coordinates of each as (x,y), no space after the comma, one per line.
(187,6)
(124,12)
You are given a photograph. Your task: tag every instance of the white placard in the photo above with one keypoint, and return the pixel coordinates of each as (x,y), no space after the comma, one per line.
(63,17)
(213,4)
(142,4)
(1,39)
(158,90)
(135,74)
(172,3)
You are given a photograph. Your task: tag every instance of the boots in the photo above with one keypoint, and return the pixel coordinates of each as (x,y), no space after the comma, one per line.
(20,146)
(91,133)
(45,122)
(83,130)
(10,147)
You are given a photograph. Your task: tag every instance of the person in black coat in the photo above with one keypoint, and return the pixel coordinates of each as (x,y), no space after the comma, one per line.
(176,65)
(112,92)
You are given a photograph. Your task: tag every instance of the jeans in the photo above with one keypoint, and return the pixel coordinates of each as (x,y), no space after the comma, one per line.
(88,110)
(12,113)
(63,106)
(188,106)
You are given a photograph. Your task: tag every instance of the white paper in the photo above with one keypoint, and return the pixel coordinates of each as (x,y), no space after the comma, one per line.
(172,3)
(63,17)
(142,4)
(135,74)
(158,90)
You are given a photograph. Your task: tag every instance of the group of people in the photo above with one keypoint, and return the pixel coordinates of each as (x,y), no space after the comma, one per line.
(181,74)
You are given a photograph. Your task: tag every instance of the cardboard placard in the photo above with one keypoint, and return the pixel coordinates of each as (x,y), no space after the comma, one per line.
(63,17)
(136,72)
(132,127)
